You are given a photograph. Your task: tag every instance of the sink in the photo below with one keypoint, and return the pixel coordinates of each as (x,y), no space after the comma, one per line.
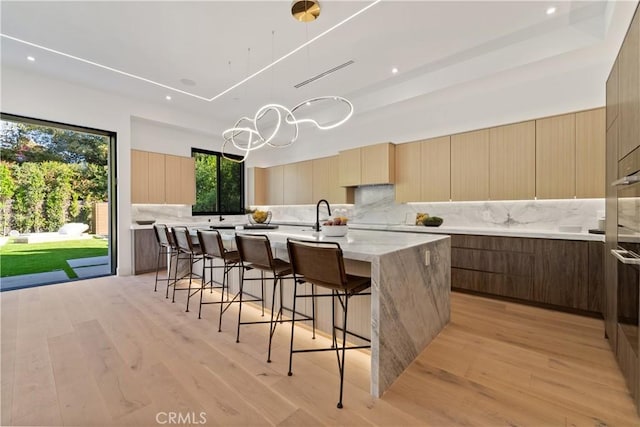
(222,227)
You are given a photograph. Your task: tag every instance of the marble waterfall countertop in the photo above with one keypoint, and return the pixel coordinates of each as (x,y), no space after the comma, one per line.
(410,290)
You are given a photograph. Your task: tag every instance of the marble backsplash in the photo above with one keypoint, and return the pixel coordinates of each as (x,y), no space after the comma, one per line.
(376,205)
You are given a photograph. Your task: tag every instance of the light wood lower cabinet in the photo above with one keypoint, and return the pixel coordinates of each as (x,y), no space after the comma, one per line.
(512,166)
(556,157)
(470,166)
(559,273)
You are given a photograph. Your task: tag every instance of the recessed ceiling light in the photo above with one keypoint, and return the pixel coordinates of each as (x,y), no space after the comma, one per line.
(551,10)
(394,70)
(168,97)
(31,58)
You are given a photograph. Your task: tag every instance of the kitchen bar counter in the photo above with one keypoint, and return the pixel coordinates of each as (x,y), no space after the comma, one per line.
(410,301)
(478,231)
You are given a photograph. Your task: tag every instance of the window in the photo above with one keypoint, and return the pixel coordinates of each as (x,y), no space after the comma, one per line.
(219,184)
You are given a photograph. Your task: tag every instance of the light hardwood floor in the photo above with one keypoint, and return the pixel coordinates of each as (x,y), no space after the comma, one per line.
(110,351)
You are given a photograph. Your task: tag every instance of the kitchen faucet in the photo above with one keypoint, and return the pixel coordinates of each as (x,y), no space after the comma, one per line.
(317,226)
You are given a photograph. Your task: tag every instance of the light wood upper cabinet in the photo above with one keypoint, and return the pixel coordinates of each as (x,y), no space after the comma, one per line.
(378,164)
(297,183)
(612,94)
(157,173)
(556,157)
(140,176)
(158,178)
(435,176)
(590,153)
(470,166)
(326,183)
(408,167)
(349,167)
(259,186)
(180,180)
(275,185)
(512,166)
(629,90)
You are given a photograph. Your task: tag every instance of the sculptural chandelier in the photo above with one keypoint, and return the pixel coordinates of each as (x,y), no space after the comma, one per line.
(249,134)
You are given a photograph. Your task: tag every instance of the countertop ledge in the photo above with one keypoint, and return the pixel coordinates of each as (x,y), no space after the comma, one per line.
(478,231)
(503,232)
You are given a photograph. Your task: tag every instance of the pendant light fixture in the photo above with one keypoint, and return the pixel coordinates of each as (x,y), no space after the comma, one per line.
(248,133)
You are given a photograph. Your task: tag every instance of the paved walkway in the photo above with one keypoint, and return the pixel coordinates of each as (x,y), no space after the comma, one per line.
(83,267)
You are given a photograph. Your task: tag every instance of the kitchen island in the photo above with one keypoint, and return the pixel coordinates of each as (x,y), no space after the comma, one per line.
(410,290)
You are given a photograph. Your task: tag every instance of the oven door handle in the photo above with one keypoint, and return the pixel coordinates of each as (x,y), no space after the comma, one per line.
(624,257)
(627,180)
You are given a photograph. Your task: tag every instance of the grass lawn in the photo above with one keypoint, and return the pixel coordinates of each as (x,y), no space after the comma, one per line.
(27,258)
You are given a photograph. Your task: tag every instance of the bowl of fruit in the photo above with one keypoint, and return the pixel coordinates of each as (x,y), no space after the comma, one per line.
(428,221)
(336,227)
(260,217)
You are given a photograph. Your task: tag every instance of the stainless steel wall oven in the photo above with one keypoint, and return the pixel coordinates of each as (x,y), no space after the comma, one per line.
(628,250)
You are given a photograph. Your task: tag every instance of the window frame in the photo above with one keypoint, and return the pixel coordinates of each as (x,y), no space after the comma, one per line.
(220,157)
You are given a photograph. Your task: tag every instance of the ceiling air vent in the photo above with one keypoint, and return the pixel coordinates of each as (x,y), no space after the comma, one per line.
(323,74)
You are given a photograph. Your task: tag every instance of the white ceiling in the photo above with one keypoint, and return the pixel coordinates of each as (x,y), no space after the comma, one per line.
(435,45)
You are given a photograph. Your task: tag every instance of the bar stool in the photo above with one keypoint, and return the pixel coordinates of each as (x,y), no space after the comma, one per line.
(187,250)
(255,253)
(165,247)
(212,249)
(322,264)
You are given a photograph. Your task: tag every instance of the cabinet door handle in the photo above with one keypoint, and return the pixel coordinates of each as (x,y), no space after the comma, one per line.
(627,180)
(624,257)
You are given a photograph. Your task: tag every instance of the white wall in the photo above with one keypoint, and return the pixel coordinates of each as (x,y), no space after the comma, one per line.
(34,96)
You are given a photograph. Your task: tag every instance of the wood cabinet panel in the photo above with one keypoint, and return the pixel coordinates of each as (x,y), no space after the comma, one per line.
(321,179)
(297,183)
(349,167)
(157,178)
(187,181)
(492,283)
(325,182)
(596,276)
(259,186)
(145,252)
(173,179)
(275,187)
(494,243)
(556,157)
(612,95)
(611,237)
(590,153)
(408,172)
(289,185)
(511,263)
(512,172)
(561,270)
(435,175)
(470,166)
(629,90)
(377,164)
(139,176)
